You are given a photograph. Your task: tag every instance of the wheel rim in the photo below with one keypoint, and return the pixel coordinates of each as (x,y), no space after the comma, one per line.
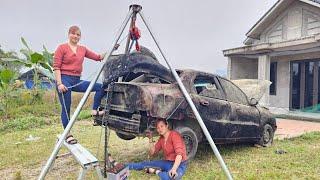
(266,135)
(188,142)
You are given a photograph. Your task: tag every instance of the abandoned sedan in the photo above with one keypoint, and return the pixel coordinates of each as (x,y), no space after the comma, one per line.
(149,92)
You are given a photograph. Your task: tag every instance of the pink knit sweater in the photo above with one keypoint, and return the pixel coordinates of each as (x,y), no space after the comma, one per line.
(70,63)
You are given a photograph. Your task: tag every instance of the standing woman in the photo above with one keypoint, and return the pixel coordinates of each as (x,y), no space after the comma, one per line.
(68,60)
(174,150)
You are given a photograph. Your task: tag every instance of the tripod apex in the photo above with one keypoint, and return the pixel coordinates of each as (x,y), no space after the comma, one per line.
(135,7)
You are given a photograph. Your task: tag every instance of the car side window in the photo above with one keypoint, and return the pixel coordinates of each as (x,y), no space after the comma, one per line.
(206,86)
(233,93)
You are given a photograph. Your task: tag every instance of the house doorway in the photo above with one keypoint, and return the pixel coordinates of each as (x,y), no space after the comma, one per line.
(305,85)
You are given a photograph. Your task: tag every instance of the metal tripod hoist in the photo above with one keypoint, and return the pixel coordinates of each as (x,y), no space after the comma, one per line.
(133,11)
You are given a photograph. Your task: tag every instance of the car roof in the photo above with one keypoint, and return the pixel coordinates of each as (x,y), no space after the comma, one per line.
(197,71)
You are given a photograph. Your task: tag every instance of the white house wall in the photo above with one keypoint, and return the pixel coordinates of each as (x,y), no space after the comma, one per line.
(281,99)
(243,68)
(299,20)
(311,22)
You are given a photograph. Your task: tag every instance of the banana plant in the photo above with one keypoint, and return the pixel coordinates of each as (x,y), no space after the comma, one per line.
(39,62)
(36,61)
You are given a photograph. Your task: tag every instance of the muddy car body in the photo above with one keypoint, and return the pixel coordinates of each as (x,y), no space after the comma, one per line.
(151,93)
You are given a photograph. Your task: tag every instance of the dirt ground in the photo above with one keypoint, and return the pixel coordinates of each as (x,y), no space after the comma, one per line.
(293,128)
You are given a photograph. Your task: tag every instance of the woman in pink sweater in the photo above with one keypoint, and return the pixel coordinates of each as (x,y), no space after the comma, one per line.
(68,60)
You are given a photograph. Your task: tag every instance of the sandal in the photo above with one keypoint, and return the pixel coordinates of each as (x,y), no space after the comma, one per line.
(97,113)
(71,140)
(152,170)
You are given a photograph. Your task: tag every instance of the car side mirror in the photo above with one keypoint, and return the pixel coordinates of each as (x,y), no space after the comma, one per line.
(253,102)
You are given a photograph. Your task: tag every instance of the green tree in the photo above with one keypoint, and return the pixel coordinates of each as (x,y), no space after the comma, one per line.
(38,62)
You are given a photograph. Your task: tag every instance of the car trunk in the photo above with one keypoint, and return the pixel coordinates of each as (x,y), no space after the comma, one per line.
(133,107)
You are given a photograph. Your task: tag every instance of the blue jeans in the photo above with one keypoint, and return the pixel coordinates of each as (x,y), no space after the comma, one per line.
(163,164)
(70,81)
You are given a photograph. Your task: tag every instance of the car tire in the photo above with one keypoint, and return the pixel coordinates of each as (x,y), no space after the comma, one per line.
(147,52)
(266,136)
(125,136)
(190,139)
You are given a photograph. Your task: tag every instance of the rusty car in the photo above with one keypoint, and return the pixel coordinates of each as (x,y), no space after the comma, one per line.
(140,90)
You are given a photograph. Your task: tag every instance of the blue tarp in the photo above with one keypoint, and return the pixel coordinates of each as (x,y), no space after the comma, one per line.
(44,85)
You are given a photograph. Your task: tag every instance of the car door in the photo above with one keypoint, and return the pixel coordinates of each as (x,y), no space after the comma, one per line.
(246,118)
(213,107)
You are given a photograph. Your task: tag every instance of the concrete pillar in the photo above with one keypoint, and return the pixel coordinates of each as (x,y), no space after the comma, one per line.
(229,68)
(264,74)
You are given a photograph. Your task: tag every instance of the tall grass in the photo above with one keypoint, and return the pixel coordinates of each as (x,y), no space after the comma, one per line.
(22,158)
(25,112)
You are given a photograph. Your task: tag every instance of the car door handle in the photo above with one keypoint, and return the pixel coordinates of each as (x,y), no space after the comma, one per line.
(204,103)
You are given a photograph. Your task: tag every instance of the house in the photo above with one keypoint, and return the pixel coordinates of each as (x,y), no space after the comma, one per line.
(283,47)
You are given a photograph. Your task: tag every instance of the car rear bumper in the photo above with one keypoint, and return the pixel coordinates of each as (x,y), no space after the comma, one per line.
(127,125)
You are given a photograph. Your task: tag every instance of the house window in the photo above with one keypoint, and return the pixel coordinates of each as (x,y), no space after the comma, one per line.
(273,78)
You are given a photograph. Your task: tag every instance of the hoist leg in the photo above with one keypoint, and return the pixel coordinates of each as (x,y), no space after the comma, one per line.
(57,147)
(82,173)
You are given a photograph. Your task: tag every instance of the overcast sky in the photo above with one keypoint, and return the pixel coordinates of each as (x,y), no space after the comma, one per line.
(191,33)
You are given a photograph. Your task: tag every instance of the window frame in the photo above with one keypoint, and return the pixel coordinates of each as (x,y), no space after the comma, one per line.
(246,97)
(274,92)
(217,84)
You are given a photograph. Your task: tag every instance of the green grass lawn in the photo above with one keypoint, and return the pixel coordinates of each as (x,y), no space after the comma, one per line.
(21,159)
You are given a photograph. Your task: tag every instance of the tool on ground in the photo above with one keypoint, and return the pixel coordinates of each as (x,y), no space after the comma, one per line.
(118,172)
(84,158)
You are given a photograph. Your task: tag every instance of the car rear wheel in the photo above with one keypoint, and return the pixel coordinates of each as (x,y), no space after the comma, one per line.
(190,140)
(125,136)
(267,136)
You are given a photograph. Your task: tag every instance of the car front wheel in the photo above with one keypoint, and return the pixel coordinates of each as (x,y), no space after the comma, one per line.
(267,136)
(190,140)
